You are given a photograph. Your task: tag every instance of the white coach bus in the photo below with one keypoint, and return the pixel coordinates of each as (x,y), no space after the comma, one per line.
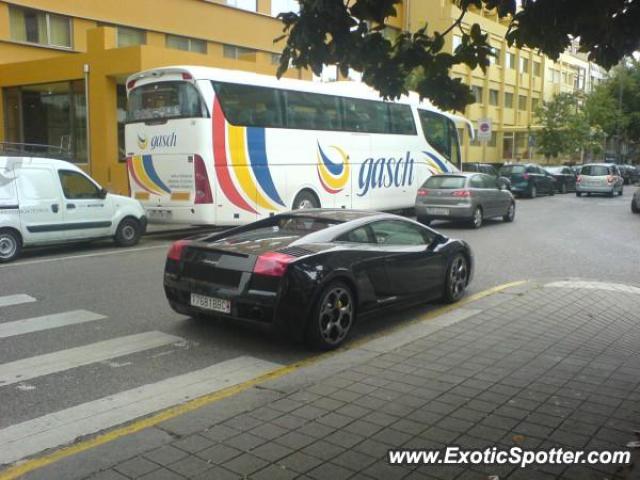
(221,147)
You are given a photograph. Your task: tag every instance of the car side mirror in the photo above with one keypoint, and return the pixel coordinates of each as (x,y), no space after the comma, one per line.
(439,239)
(102,194)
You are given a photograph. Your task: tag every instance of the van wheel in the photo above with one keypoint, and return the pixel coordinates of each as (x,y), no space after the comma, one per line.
(128,233)
(305,199)
(10,245)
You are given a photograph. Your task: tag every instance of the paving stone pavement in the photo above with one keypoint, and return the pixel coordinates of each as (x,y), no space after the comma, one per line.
(533,366)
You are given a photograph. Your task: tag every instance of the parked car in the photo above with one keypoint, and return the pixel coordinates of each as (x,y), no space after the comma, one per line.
(599,178)
(529,179)
(45,201)
(635,201)
(625,172)
(312,272)
(565,178)
(470,197)
(487,169)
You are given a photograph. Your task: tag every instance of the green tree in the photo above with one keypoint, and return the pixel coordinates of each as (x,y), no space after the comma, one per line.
(565,128)
(349,34)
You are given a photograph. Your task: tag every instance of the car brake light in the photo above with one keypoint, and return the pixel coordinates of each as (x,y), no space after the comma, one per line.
(131,84)
(272,264)
(175,251)
(610,179)
(203,187)
(187,76)
(423,192)
(525,176)
(462,193)
(579,179)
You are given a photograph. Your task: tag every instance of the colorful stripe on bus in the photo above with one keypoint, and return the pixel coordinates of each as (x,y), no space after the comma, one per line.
(145,176)
(333,176)
(234,149)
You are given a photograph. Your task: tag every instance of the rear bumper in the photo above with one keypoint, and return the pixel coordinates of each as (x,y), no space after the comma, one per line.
(456,212)
(595,188)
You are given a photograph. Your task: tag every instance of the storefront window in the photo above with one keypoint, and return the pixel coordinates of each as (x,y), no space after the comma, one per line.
(48,119)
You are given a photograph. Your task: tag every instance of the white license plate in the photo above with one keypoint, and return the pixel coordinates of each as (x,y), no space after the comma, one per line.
(159,213)
(211,303)
(438,211)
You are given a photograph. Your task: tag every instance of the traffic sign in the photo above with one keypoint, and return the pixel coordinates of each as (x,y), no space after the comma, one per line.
(484,129)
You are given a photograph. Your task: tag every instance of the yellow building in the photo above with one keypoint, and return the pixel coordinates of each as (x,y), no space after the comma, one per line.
(63,65)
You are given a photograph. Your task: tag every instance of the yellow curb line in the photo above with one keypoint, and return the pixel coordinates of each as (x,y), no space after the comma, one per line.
(173,412)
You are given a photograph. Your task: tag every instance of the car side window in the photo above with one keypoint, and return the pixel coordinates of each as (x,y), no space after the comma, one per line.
(393,232)
(490,182)
(76,186)
(358,235)
(531,169)
(477,182)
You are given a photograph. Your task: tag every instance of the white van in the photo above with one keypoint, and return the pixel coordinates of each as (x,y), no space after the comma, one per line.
(45,201)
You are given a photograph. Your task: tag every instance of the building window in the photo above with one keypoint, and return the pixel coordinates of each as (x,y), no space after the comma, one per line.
(284,6)
(554,75)
(511,60)
(496,59)
(42,28)
(524,65)
(507,146)
(508,100)
(535,103)
(186,44)
(50,119)
(493,97)
(537,68)
(128,37)
(239,53)
(493,141)
(477,93)
(522,102)
(250,5)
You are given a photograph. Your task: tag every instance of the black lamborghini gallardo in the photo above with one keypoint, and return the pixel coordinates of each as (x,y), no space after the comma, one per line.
(312,272)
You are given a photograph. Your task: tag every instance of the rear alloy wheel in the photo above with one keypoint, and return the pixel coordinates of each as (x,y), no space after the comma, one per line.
(10,246)
(511,213)
(533,191)
(305,199)
(128,233)
(332,317)
(476,220)
(457,279)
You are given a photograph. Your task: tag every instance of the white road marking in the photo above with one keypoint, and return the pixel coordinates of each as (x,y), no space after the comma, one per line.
(611,287)
(10,300)
(62,427)
(32,367)
(88,255)
(46,322)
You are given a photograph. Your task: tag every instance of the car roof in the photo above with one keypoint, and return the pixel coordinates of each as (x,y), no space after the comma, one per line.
(336,214)
(6,162)
(457,174)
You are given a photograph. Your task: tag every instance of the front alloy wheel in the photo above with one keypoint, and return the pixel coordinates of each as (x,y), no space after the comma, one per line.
(457,279)
(332,318)
(511,213)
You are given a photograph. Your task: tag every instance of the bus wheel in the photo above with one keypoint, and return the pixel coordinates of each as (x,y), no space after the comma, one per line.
(306,199)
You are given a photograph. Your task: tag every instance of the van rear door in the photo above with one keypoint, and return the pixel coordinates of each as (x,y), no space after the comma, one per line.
(9,205)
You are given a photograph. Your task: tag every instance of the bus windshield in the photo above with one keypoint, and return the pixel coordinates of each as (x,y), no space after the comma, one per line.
(164,100)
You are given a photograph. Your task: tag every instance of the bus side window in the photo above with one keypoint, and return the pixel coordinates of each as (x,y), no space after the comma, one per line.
(436,131)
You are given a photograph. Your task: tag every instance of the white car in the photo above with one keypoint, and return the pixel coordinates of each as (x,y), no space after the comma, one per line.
(45,201)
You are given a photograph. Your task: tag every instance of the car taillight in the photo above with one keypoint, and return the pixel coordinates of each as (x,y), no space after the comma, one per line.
(610,179)
(525,176)
(423,192)
(176,249)
(272,264)
(203,187)
(131,84)
(579,179)
(187,76)
(462,193)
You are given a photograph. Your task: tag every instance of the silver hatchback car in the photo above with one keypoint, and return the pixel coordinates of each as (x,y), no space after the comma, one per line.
(468,197)
(599,178)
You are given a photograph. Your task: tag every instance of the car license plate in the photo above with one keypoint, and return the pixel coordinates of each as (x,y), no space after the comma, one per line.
(438,211)
(211,303)
(156,213)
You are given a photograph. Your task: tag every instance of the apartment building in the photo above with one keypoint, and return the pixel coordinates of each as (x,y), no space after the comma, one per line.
(63,65)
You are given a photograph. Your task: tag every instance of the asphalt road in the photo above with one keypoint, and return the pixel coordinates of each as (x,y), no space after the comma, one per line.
(562,236)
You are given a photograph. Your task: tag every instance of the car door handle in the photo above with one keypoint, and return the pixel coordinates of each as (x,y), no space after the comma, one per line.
(71,206)
(55,207)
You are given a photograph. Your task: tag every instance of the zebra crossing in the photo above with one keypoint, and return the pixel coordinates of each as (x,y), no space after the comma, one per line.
(61,427)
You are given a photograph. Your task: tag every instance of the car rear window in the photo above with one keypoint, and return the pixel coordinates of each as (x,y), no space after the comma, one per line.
(595,170)
(511,169)
(445,182)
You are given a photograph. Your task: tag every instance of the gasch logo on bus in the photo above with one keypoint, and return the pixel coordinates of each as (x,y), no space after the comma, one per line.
(385,173)
(157,141)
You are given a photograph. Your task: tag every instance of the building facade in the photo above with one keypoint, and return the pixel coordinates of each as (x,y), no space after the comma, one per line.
(63,66)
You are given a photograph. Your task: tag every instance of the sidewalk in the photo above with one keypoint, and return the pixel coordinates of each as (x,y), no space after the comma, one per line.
(537,366)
